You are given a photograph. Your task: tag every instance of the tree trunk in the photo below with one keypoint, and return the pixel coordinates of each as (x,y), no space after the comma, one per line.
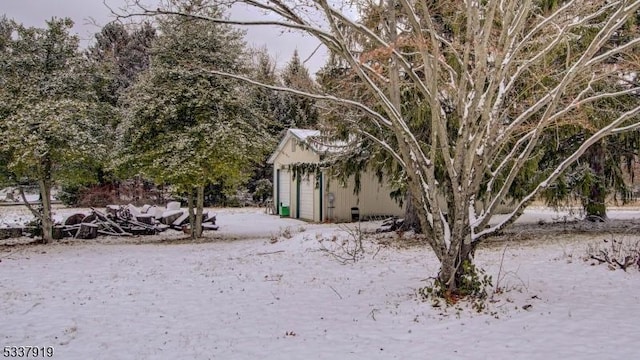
(43,212)
(594,205)
(12,232)
(411,219)
(47,221)
(44,184)
(192,218)
(455,268)
(197,229)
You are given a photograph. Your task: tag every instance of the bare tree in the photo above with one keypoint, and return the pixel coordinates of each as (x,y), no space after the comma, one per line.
(492,76)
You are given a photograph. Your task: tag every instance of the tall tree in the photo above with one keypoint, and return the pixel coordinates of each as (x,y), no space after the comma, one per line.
(120,53)
(295,111)
(263,67)
(48,131)
(599,174)
(184,125)
(116,58)
(266,103)
(481,75)
(604,173)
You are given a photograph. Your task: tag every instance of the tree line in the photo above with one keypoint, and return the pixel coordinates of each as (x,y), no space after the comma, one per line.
(140,102)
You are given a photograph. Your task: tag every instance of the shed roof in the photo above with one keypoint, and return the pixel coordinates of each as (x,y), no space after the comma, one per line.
(303,134)
(310,138)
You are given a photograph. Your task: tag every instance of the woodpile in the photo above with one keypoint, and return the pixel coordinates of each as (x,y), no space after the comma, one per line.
(390,224)
(10,232)
(128,220)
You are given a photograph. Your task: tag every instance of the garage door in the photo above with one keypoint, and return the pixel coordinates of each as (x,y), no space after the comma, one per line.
(307,186)
(284,189)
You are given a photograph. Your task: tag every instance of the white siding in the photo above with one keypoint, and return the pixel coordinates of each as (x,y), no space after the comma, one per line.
(301,155)
(344,199)
(373,200)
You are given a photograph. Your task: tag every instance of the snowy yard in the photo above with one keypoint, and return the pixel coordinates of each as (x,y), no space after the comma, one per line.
(242,296)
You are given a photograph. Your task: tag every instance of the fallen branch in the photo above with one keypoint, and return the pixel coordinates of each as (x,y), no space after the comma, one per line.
(270,252)
(105,219)
(628,261)
(335,291)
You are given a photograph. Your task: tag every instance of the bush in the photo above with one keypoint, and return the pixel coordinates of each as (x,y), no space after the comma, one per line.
(34,228)
(616,253)
(68,196)
(97,196)
(263,191)
(472,284)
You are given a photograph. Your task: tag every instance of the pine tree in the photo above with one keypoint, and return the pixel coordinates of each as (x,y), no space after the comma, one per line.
(598,175)
(265,102)
(297,111)
(119,55)
(183,125)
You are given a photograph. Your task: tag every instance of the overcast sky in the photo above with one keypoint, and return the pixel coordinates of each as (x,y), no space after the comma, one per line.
(87,13)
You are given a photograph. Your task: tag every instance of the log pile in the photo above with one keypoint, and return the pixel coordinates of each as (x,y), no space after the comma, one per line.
(390,224)
(128,220)
(10,232)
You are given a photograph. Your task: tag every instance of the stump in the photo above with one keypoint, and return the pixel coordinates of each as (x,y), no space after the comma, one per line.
(210,218)
(134,211)
(173,205)
(209,227)
(156,212)
(57,232)
(90,218)
(87,231)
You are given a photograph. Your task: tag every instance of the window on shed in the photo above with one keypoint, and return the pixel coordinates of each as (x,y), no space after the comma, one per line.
(293,146)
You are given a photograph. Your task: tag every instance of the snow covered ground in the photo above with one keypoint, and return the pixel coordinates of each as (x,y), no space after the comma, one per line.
(263,288)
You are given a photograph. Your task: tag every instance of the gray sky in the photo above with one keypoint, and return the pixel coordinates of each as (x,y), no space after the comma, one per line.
(87,13)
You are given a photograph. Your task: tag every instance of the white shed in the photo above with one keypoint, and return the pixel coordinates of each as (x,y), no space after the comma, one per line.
(324,199)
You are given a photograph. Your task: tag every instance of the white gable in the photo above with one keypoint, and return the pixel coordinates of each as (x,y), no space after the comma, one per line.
(311,139)
(299,135)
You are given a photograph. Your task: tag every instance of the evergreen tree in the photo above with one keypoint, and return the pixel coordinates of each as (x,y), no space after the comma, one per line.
(183,125)
(598,175)
(119,55)
(49,131)
(265,102)
(296,111)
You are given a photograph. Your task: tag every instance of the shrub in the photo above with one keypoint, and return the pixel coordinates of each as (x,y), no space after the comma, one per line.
(473,284)
(616,253)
